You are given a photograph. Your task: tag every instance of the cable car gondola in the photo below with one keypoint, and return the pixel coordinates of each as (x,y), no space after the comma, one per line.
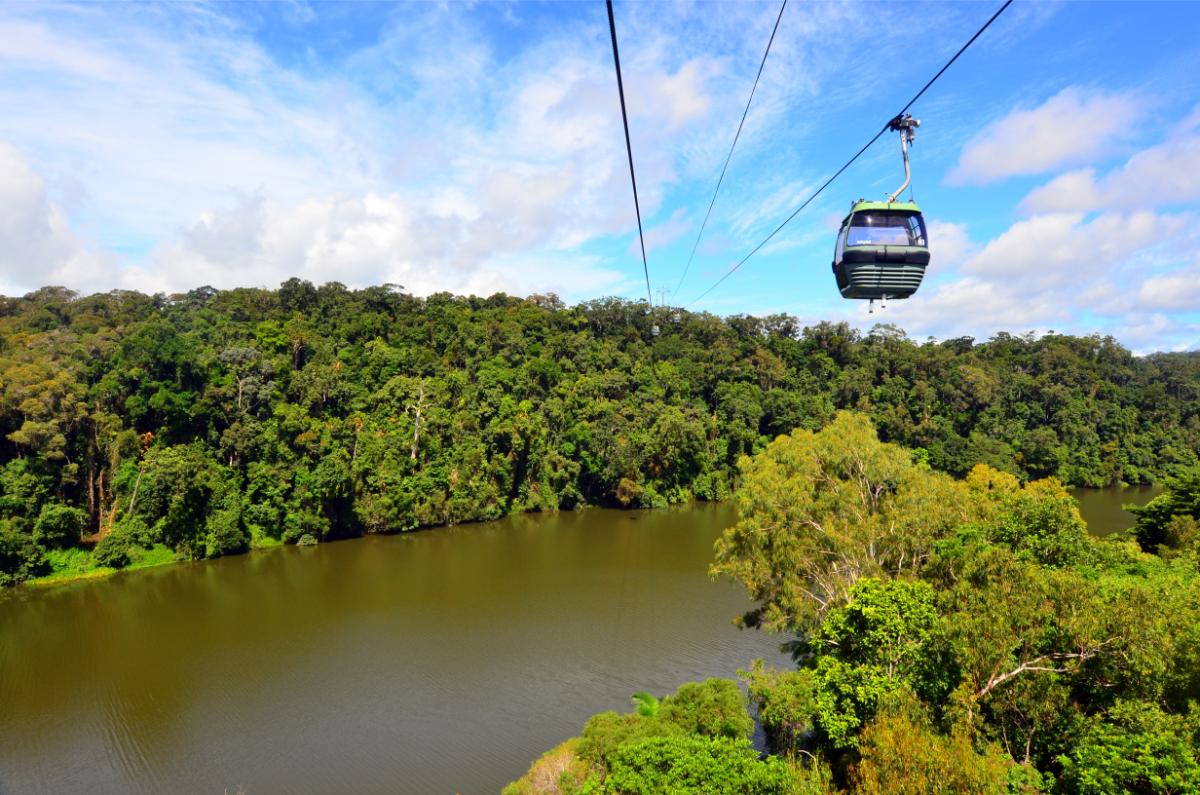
(882,248)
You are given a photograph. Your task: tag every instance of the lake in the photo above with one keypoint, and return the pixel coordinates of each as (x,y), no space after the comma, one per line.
(442,661)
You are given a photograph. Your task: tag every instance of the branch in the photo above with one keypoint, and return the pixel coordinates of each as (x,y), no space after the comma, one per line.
(1038,664)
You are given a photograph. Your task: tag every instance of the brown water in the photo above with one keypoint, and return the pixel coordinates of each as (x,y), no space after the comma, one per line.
(1101,508)
(443,661)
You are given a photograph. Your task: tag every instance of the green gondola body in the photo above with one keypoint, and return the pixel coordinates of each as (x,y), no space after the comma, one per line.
(882,251)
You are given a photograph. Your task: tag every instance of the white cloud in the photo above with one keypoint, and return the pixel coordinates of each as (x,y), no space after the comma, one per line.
(950,242)
(663,234)
(1161,175)
(1054,272)
(1061,248)
(1150,332)
(37,244)
(1071,127)
(468,248)
(464,168)
(1175,290)
(681,97)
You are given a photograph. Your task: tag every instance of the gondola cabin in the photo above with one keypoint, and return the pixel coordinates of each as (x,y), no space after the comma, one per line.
(882,251)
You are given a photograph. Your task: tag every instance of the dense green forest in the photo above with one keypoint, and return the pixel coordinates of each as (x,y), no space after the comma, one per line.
(138,428)
(950,636)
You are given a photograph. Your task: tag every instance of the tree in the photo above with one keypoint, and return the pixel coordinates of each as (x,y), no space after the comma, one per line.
(821,510)
(902,754)
(1138,748)
(786,704)
(1164,520)
(888,638)
(713,708)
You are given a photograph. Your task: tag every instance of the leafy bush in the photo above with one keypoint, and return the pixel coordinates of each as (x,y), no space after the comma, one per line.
(20,556)
(58,525)
(901,754)
(786,702)
(680,765)
(113,550)
(712,708)
(1135,748)
(606,732)
(1163,520)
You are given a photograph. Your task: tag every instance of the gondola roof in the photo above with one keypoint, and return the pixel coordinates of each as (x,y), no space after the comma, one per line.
(863,206)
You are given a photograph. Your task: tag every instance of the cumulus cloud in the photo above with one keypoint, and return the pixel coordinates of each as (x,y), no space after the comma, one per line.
(1052,272)
(1059,248)
(1174,290)
(1166,174)
(37,244)
(1073,126)
(228,168)
(467,248)
(950,241)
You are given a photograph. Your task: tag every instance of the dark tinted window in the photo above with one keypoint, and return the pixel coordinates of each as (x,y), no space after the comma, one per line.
(884,228)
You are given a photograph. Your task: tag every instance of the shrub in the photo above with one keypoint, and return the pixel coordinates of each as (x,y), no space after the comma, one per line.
(20,557)
(113,550)
(1136,748)
(690,764)
(58,525)
(713,708)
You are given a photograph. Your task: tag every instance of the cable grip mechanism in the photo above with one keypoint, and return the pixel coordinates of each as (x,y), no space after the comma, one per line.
(907,126)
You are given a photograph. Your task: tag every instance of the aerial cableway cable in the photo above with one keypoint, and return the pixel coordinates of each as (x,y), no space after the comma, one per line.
(612,29)
(857,154)
(733,146)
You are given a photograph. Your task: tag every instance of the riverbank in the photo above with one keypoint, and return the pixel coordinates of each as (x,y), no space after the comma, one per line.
(76,565)
(1102,509)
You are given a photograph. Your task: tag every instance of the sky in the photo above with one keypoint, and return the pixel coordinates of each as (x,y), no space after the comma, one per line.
(478,148)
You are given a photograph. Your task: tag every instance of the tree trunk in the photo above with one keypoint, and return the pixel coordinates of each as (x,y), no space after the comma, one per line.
(417,424)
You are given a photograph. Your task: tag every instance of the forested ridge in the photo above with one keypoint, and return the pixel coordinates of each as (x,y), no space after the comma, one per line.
(138,428)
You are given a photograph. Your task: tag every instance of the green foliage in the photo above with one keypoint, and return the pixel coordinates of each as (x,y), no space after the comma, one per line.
(20,556)
(113,550)
(712,708)
(69,562)
(1040,520)
(900,753)
(1170,518)
(819,510)
(645,704)
(604,733)
(691,764)
(887,638)
(1009,651)
(332,412)
(22,490)
(58,525)
(1136,747)
(786,703)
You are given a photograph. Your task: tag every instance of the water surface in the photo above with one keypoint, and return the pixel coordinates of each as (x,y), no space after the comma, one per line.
(1102,508)
(442,661)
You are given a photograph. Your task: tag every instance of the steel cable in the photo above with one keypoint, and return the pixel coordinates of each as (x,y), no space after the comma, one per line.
(857,154)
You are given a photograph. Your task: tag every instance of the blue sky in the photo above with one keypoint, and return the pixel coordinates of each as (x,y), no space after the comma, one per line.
(478,148)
